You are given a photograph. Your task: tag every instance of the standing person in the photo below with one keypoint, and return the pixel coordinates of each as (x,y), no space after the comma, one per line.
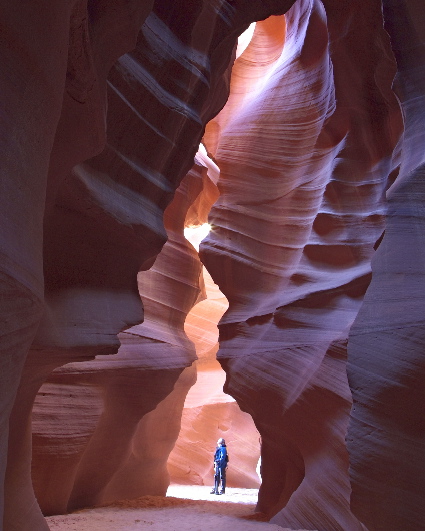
(221,458)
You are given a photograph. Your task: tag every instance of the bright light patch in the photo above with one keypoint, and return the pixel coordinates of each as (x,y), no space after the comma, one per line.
(196,234)
(245,39)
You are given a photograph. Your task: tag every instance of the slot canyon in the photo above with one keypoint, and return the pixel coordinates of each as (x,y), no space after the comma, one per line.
(299,140)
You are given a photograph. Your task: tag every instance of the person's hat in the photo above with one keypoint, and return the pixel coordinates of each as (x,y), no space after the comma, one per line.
(221,441)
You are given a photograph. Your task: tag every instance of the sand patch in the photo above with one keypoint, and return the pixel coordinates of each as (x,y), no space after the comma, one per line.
(188,508)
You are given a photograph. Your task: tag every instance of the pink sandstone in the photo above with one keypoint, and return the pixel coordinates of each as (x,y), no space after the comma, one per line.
(316,244)
(102,219)
(301,206)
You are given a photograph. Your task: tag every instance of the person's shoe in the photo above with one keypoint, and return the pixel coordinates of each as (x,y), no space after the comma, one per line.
(218,492)
(213,492)
(222,491)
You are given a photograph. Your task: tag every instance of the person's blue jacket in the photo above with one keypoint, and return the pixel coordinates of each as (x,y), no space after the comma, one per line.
(220,457)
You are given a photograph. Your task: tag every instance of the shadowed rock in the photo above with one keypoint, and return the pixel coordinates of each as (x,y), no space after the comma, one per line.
(302,204)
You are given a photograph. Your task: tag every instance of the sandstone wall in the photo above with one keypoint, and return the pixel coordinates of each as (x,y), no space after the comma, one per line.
(305,148)
(74,237)
(122,450)
(313,142)
(386,354)
(52,106)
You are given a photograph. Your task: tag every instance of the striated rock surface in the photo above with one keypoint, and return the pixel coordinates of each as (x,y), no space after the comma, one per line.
(52,84)
(386,368)
(303,175)
(120,450)
(310,146)
(103,218)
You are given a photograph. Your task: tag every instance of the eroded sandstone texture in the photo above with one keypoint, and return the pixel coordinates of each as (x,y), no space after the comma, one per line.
(120,450)
(386,343)
(308,135)
(94,144)
(102,220)
(52,86)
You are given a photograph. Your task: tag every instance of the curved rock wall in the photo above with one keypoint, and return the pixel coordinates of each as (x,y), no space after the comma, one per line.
(53,81)
(124,452)
(308,144)
(102,220)
(386,343)
(304,153)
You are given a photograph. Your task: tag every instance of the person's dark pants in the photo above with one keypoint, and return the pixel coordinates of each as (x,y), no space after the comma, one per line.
(220,478)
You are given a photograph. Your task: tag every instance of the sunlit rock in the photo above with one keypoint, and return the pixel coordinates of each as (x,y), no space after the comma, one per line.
(302,184)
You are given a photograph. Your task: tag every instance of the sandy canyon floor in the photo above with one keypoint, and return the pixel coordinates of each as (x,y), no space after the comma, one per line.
(188,508)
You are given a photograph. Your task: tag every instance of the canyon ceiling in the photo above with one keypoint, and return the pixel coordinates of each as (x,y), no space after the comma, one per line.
(311,174)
